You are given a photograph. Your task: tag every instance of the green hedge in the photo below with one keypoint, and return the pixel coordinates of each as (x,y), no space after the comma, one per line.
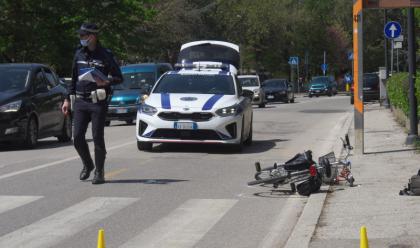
(397,87)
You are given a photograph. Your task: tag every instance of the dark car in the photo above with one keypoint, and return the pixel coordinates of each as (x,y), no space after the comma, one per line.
(322,85)
(138,81)
(30,105)
(278,90)
(370,88)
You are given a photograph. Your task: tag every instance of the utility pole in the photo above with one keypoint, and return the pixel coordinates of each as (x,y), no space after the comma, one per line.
(413,135)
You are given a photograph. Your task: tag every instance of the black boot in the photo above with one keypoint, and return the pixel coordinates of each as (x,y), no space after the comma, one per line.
(87,169)
(99,177)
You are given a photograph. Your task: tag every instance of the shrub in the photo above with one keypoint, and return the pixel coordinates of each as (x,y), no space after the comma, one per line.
(397,87)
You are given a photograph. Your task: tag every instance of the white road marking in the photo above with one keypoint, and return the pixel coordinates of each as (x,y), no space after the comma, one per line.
(49,231)
(10,202)
(283,224)
(39,167)
(185,226)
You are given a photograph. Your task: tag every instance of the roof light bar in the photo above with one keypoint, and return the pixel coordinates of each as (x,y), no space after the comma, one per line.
(200,66)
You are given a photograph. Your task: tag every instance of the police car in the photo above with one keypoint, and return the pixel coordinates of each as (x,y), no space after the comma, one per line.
(200,102)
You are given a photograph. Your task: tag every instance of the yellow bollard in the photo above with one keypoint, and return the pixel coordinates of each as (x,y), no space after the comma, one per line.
(364,243)
(347,87)
(101,239)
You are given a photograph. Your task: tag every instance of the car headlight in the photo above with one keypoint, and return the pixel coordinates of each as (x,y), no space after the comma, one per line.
(11,107)
(229,111)
(256,91)
(147,109)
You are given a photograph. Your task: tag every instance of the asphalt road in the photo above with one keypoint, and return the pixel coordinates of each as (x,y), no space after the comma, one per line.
(175,196)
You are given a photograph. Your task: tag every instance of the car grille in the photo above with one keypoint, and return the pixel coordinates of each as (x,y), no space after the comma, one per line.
(175,116)
(186,134)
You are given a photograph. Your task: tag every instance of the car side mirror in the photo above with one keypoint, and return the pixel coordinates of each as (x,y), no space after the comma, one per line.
(248,93)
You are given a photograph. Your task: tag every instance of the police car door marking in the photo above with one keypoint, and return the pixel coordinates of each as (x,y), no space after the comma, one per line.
(165,100)
(211,101)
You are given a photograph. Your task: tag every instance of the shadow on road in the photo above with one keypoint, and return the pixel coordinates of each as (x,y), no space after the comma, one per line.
(258,146)
(391,151)
(41,145)
(279,193)
(146,181)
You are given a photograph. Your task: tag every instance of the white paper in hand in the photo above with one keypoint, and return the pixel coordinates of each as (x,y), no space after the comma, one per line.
(92,75)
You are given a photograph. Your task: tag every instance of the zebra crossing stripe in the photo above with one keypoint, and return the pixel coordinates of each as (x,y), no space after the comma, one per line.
(49,231)
(11,202)
(185,226)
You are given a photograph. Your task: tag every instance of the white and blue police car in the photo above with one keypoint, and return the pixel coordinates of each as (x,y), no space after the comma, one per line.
(201,102)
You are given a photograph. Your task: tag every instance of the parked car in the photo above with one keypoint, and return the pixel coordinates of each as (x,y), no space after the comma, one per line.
(30,105)
(139,79)
(322,85)
(252,83)
(278,90)
(370,88)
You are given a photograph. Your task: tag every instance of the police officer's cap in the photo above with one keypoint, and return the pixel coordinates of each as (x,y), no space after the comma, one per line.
(88,28)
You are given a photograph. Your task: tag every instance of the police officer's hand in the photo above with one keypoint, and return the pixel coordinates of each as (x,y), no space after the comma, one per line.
(66,107)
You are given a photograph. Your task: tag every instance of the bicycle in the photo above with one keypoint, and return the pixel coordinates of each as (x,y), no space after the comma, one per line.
(301,172)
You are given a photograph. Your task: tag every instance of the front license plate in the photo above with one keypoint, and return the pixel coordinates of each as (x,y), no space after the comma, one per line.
(317,91)
(121,111)
(185,125)
(270,97)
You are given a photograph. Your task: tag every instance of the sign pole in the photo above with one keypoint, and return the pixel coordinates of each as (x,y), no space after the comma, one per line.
(358,75)
(392,57)
(413,135)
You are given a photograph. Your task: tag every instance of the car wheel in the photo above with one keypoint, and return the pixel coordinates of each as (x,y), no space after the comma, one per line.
(292,100)
(31,137)
(310,96)
(262,105)
(144,146)
(129,122)
(248,141)
(107,123)
(66,133)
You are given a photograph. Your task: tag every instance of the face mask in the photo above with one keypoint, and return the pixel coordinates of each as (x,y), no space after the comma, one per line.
(84,43)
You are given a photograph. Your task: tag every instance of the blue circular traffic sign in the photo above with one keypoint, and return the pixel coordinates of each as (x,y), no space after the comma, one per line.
(392,30)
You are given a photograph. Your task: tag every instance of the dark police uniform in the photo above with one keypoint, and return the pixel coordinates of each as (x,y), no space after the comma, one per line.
(86,111)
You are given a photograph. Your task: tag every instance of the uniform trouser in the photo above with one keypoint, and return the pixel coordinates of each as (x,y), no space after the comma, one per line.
(85,112)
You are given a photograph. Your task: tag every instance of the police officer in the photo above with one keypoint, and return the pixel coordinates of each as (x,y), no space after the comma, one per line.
(90,105)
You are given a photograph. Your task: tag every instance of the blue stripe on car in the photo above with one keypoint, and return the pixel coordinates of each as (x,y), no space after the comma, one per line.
(165,101)
(211,101)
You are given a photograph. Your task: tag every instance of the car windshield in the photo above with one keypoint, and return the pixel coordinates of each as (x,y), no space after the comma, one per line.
(13,79)
(137,80)
(320,80)
(275,83)
(248,82)
(370,80)
(196,84)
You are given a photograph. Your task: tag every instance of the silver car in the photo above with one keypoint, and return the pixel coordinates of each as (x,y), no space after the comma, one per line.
(252,83)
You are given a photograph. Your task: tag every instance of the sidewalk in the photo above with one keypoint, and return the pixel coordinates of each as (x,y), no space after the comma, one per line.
(391,220)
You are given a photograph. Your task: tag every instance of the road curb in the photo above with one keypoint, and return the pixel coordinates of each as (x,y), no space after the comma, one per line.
(305,227)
